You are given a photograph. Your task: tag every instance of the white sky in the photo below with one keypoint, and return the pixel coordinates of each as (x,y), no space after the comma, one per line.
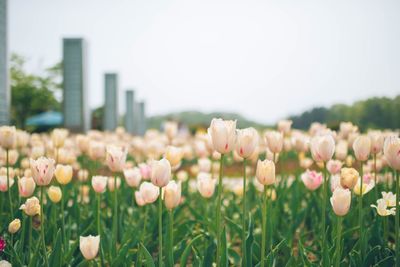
(262,59)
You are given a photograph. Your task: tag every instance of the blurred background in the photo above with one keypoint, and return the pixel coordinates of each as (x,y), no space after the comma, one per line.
(99,64)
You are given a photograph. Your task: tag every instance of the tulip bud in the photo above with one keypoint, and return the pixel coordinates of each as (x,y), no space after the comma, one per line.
(63,173)
(284,126)
(4,184)
(334,166)
(205,185)
(115,158)
(26,186)
(54,193)
(322,147)
(306,163)
(89,246)
(182,175)
(377,141)
(348,177)
(174,156)
(223,135)
(97,150)
(14,226)
(3,263)
(145,171)
(367,186)
(8,137)
(149,192)
(274,141)
(42,170)
(83,143)
(31,206)
(170,129)
(37,151)
(172,195)
(12,156)
(362,147)
(139,199)
(204,164)
(246,142)
(160,172)
(391,150)
(265,172)
(83,175)
(341,150)
(99,183)
(132,177)
(58,137)
(312,179)
(340,201)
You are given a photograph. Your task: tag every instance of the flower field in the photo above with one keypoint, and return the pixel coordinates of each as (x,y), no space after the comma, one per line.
(222,196)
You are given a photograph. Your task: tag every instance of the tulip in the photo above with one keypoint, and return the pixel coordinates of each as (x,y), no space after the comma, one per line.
(377,141)
(171,129)
(113,183)
(14,226)
(63,174)
(26,186)
(139,198)
(42,170)
(5,183)
(4,263)
(89,246)
(205,185)
(382,208)
(322,147)
(8,137)
(174,155)
(204,164)
(391,150)
(362,147)
(362,188)
(149,192)
(97,150)
(31,206)
(37,151)
(160,172)
(306,163)
(334,166)
(341,150)
(145,171)
(12,156)
(132,177)
(312,179)
(58,137)
(348,177)
(284,126)
(265,172)
(182,175)
(390,199)
(274,141)
(223,135)
(172,194)
(246,142)
(116,158)
(54,193)
(340,201)
(83,143)
(83,175)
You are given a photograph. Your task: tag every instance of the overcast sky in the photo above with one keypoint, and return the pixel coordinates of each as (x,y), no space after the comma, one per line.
(262,59)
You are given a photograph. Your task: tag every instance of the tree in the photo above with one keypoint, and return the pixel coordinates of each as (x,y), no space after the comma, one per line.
(32,94)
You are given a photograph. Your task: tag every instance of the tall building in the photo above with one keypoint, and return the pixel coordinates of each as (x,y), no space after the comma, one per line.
(129,115)
(142,118)
(111,101)
(4,84)
(75,106)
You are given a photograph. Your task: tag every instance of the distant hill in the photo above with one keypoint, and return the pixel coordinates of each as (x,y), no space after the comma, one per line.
(196,119)
(376,112)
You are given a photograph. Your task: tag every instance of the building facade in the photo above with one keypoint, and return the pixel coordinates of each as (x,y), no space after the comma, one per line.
(110,101)
(129,115)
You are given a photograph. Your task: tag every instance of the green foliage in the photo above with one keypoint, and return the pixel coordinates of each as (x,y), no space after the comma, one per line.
(32,94)
(377,112)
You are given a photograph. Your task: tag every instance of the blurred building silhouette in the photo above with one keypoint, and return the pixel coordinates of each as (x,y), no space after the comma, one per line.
(142,125)
(129,115)
(110,101)
(4,84)
(75,104)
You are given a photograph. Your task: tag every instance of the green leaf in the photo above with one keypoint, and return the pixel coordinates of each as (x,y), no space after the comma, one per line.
(210,252)
(249,242)
(149,259)
(55,258)
(224,249)
(187,250)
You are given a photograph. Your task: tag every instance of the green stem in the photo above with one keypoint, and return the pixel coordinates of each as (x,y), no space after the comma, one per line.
(218,215)
(160,255)
(64,237)
(99,227)
(264,226)
(8,186)
(115,215)
(338,241)
(171,238)
(397,221)
(375,179)
(42,226)
(360,210)
(323,228)
(142,237)
(385,230)
(244,215)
